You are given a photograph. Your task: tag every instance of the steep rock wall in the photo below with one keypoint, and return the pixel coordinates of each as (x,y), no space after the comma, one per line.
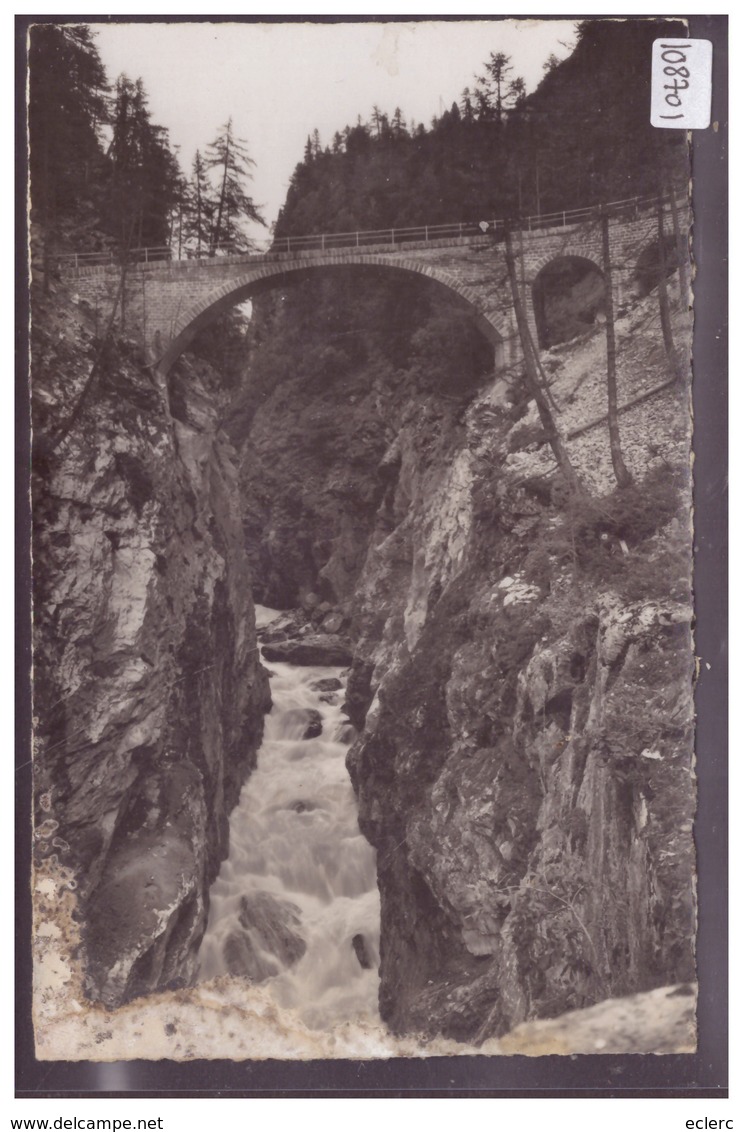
(148,692)
(522,680)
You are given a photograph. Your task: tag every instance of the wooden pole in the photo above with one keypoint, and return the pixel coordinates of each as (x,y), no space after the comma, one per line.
(665,310)
(532,378)
(682,251)
(623,478)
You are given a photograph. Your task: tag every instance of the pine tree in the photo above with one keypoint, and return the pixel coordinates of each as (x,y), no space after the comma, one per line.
(67,106)
(516,93)
(399,129)
(163,188)
(229,157)
(126,155)
(468,114)
(378,121)
(497,69)
(144,182)
(484,107)
(200,207)
(177,234)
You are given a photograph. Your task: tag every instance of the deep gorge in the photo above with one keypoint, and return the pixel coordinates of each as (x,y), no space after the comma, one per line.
(521,682)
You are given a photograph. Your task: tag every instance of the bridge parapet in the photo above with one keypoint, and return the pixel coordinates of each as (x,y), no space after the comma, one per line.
(167,302)
(217,263)
(394,238)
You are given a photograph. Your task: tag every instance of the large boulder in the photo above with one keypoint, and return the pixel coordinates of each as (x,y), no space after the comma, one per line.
(271,635)
(291,623)
(268,928)
(359,945)
(327,684)
(332,622)
(326,651)
(302,723)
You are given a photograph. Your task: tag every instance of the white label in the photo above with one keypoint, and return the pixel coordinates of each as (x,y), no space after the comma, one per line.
(681,94)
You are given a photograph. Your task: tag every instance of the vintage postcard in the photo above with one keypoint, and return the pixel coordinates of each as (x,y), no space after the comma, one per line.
(364,669)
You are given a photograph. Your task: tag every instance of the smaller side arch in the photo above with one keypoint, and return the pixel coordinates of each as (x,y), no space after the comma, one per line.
(567,296)
(570,251)
(646,271)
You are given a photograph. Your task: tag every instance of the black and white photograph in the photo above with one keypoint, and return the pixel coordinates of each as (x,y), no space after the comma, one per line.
(363,608)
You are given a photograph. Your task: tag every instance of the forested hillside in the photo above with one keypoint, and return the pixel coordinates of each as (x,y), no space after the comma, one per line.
(357,345)
(581,138)
(103,173)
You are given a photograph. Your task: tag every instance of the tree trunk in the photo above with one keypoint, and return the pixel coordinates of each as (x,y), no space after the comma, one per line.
(532,343)
(542,375)
(624,479)
(665,310)
(682,251)
(532,378)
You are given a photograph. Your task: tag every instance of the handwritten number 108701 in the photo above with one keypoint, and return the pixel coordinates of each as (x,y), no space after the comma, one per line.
(674,58)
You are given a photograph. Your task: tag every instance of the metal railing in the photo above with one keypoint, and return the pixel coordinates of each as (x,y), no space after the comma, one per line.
(625,209)
(378,237)
(112,255)
(421,233)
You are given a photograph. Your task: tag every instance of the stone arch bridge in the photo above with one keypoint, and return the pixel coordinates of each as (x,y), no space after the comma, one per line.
(167,303)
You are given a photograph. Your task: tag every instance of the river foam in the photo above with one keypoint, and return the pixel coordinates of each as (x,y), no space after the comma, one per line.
(295,906)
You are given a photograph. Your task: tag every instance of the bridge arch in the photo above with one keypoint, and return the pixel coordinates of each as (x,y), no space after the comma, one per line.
(266,276)
(568,251)
(646,273)
(567,294)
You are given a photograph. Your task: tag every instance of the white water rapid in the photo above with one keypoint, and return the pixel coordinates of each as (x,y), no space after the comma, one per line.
(296,907)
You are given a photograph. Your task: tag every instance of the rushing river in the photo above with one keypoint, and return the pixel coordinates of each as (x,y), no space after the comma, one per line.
(295,906)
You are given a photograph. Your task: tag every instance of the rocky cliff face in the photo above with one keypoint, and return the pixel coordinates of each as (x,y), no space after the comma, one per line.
(148,692)
(522,680)
(533,761)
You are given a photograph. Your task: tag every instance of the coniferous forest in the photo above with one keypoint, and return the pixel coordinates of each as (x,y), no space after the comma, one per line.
(498,152)
(104,174)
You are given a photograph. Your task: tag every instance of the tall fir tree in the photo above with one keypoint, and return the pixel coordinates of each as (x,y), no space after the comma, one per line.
(201,205)
(229,158)
(66,110)
(144,174)
(494,83)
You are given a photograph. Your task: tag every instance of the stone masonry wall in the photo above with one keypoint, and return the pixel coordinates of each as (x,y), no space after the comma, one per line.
(165,304)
